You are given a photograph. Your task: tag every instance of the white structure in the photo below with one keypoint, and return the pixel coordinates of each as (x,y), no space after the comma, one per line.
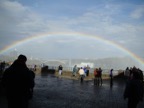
(91,65)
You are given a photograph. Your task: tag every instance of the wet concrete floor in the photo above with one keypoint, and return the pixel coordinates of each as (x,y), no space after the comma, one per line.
(54,92)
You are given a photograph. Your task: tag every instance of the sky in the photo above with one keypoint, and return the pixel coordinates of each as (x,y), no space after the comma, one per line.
(91,23)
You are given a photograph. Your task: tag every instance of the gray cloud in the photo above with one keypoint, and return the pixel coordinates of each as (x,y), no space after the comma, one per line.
(19,19)
(138,13)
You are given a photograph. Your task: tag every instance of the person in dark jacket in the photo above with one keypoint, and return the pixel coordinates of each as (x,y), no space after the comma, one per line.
(111,77)
(17,81)
(32,84)
(60,68)
(100,75)
(134,90)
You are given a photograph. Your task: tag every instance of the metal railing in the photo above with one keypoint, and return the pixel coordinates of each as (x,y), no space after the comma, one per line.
(91,70)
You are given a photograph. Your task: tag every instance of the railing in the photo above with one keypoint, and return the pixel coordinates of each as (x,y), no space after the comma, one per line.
(69,69)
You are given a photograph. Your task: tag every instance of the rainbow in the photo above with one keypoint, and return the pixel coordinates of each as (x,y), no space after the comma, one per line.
(98,38)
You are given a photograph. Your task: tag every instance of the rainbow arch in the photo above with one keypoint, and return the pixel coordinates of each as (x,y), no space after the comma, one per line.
(134,56)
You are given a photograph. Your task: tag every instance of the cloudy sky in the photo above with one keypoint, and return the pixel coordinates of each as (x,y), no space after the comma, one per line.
(117,21)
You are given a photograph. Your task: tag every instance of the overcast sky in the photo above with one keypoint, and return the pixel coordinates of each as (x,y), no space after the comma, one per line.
(119,21)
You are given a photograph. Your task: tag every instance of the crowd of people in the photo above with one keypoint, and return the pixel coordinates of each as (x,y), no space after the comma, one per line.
(129,72)
(134,87)
(134,90)
(18,82)
(82,72)
(98,76)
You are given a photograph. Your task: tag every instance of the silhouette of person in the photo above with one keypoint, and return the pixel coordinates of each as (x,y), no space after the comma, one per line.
(127,72)
(140,74)
(96,82)
(100,75)
(134,90)
(17,81)
(111,77)
(88,68)
(85,71)
(60,68)
(2,66)
(32,85)
(97,77)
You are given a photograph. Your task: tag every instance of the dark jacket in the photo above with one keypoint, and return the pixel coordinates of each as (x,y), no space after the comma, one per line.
(134,90)
(17,80)
(60,68)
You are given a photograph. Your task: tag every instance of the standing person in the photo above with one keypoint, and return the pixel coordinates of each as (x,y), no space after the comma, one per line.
(82,74)
(74,70)
(85,70)
(127,72)
(134,90)
(140,74)
(100,75)
(96,76)
(2,66)
(17,81)
(60,68)
(111,77)
(32,85)
(88,68)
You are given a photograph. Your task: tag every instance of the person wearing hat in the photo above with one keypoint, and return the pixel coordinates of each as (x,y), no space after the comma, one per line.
(17,81)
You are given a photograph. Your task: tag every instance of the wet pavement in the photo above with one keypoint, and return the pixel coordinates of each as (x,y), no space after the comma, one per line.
(54,92)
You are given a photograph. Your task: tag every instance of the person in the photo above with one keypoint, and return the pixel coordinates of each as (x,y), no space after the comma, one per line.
(127,72)
(100,75)
(85,70)
(111,77)
(96,77)
(134,90)
(74,70)
(140,74)
(32,85)
(17,81)
(81,73)
(60,68)
(88,69)
(2,66)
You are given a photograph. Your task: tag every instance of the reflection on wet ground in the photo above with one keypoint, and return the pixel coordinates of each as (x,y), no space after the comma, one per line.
(53,92)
